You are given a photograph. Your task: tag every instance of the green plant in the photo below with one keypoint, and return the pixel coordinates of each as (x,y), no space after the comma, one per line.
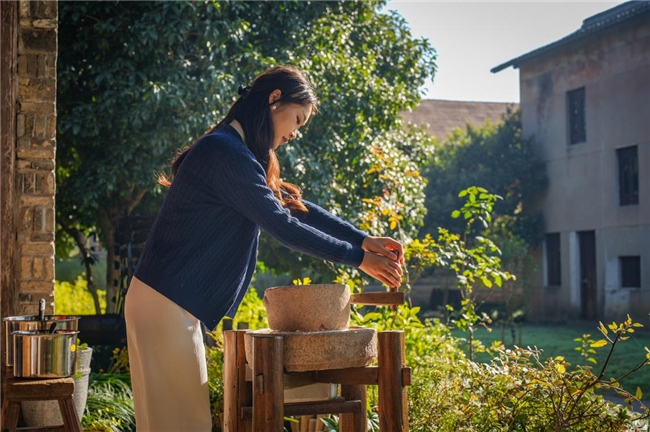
(109,406)
(332,422)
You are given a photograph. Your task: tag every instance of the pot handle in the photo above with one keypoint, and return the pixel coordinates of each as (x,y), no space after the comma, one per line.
(392,298)
(41,309)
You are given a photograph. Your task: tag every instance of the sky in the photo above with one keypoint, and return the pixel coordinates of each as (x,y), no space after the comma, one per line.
(471,38)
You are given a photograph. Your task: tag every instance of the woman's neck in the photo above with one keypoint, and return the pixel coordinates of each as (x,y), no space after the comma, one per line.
(237,126)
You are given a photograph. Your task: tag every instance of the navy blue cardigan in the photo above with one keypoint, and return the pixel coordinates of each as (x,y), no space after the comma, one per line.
(202,249)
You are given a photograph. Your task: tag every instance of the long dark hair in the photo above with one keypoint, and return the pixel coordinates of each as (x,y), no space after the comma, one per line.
(252,111)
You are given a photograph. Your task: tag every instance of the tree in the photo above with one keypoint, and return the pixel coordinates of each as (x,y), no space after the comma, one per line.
(498,158)
(138,80)
(356,158)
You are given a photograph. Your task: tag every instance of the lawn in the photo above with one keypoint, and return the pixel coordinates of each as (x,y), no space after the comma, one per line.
(558,340)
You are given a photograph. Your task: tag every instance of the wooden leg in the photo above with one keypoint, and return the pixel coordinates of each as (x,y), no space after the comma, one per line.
(237,391)
(393,406)
(10,413)
(69,415)
(268,383)
(354,422)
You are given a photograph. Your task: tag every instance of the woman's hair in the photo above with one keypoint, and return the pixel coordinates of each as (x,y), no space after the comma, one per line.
(252,111)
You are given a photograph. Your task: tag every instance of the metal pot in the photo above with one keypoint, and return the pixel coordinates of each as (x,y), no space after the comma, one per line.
(33,322)
(41,354)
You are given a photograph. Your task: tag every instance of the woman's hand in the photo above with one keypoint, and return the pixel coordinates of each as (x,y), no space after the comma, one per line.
(385,246)
(385,270)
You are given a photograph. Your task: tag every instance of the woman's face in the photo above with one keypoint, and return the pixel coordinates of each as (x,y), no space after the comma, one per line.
(288,118)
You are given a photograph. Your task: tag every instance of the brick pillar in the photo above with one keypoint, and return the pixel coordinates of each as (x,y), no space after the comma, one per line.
(35,153)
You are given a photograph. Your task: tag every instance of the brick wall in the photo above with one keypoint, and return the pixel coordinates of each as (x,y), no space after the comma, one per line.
(35,153)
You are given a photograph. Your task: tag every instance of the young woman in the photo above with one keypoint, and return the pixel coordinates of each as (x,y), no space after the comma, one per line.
(201,251)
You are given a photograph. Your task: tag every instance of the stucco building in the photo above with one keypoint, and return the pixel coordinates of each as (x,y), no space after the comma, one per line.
(586,100)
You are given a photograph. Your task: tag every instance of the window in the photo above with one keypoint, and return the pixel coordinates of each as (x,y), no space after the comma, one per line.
(628,175)
(576,108)
(553,274)
(630,271)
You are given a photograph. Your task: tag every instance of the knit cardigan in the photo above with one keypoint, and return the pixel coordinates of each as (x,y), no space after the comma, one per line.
(202,249)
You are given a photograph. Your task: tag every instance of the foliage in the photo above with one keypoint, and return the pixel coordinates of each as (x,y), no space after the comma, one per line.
(109,406)
(515,392)
(475,259)
(356,148)
(130,93)
(497,157)
(75,299)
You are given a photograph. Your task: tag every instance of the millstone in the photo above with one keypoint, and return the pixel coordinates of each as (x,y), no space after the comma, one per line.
(321,350)
(308,307)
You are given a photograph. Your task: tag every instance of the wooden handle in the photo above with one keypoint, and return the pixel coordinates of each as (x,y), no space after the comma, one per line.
(378,298)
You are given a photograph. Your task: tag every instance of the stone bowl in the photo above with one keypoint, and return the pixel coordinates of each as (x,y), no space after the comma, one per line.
(308,307)
(322,350)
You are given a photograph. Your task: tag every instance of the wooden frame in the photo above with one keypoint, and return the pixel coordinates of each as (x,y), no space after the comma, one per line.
(256,403)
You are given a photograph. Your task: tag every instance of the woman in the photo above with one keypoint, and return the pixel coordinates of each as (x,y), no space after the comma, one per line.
(201,251)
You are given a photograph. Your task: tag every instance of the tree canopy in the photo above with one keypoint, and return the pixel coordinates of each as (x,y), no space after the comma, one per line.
(139,80)
(496,157)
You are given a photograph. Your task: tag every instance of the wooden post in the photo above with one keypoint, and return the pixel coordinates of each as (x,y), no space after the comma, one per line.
(237,392)
(393,402)
(354,422)
(268,383)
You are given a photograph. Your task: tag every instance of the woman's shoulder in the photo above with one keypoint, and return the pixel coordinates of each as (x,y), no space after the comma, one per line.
(224,142)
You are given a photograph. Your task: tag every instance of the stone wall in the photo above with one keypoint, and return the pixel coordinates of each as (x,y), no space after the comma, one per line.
(34,175)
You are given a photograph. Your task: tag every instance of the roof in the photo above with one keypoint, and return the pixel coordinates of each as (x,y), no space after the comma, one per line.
(594,24)
(442,116)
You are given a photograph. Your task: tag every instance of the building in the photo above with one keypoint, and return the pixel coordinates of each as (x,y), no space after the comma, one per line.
(586,100)
(441,117)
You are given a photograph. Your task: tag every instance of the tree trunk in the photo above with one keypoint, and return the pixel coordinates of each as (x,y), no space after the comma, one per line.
(87,259)
(107,225)
(108,219)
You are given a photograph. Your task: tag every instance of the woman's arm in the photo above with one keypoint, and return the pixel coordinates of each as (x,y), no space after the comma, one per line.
(240,182)
(325,221)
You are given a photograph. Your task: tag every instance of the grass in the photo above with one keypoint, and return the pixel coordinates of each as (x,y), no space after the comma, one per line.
(559,340)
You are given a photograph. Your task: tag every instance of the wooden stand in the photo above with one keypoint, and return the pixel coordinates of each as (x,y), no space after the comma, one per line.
(254,401)
(16,390)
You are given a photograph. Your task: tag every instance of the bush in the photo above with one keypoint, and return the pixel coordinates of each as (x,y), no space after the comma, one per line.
(75,299)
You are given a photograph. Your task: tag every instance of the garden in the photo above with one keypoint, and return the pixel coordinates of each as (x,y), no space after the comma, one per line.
(462,378)
(160,89)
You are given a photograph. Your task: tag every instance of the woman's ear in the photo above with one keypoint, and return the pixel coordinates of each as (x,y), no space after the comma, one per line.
(275,96)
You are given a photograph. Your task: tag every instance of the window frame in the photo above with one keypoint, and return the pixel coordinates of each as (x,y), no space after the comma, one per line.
(553,274)
(628,182)
(576,115)
(637,264)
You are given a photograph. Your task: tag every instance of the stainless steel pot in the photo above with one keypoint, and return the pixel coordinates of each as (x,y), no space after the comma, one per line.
(41,354)
(33,322)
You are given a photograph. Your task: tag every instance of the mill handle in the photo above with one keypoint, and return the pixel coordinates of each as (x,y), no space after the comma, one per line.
(378,299)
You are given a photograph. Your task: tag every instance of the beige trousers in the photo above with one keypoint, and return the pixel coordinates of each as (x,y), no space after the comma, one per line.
(167,361)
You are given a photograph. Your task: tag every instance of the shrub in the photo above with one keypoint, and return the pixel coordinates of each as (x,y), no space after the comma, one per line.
(75,299)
